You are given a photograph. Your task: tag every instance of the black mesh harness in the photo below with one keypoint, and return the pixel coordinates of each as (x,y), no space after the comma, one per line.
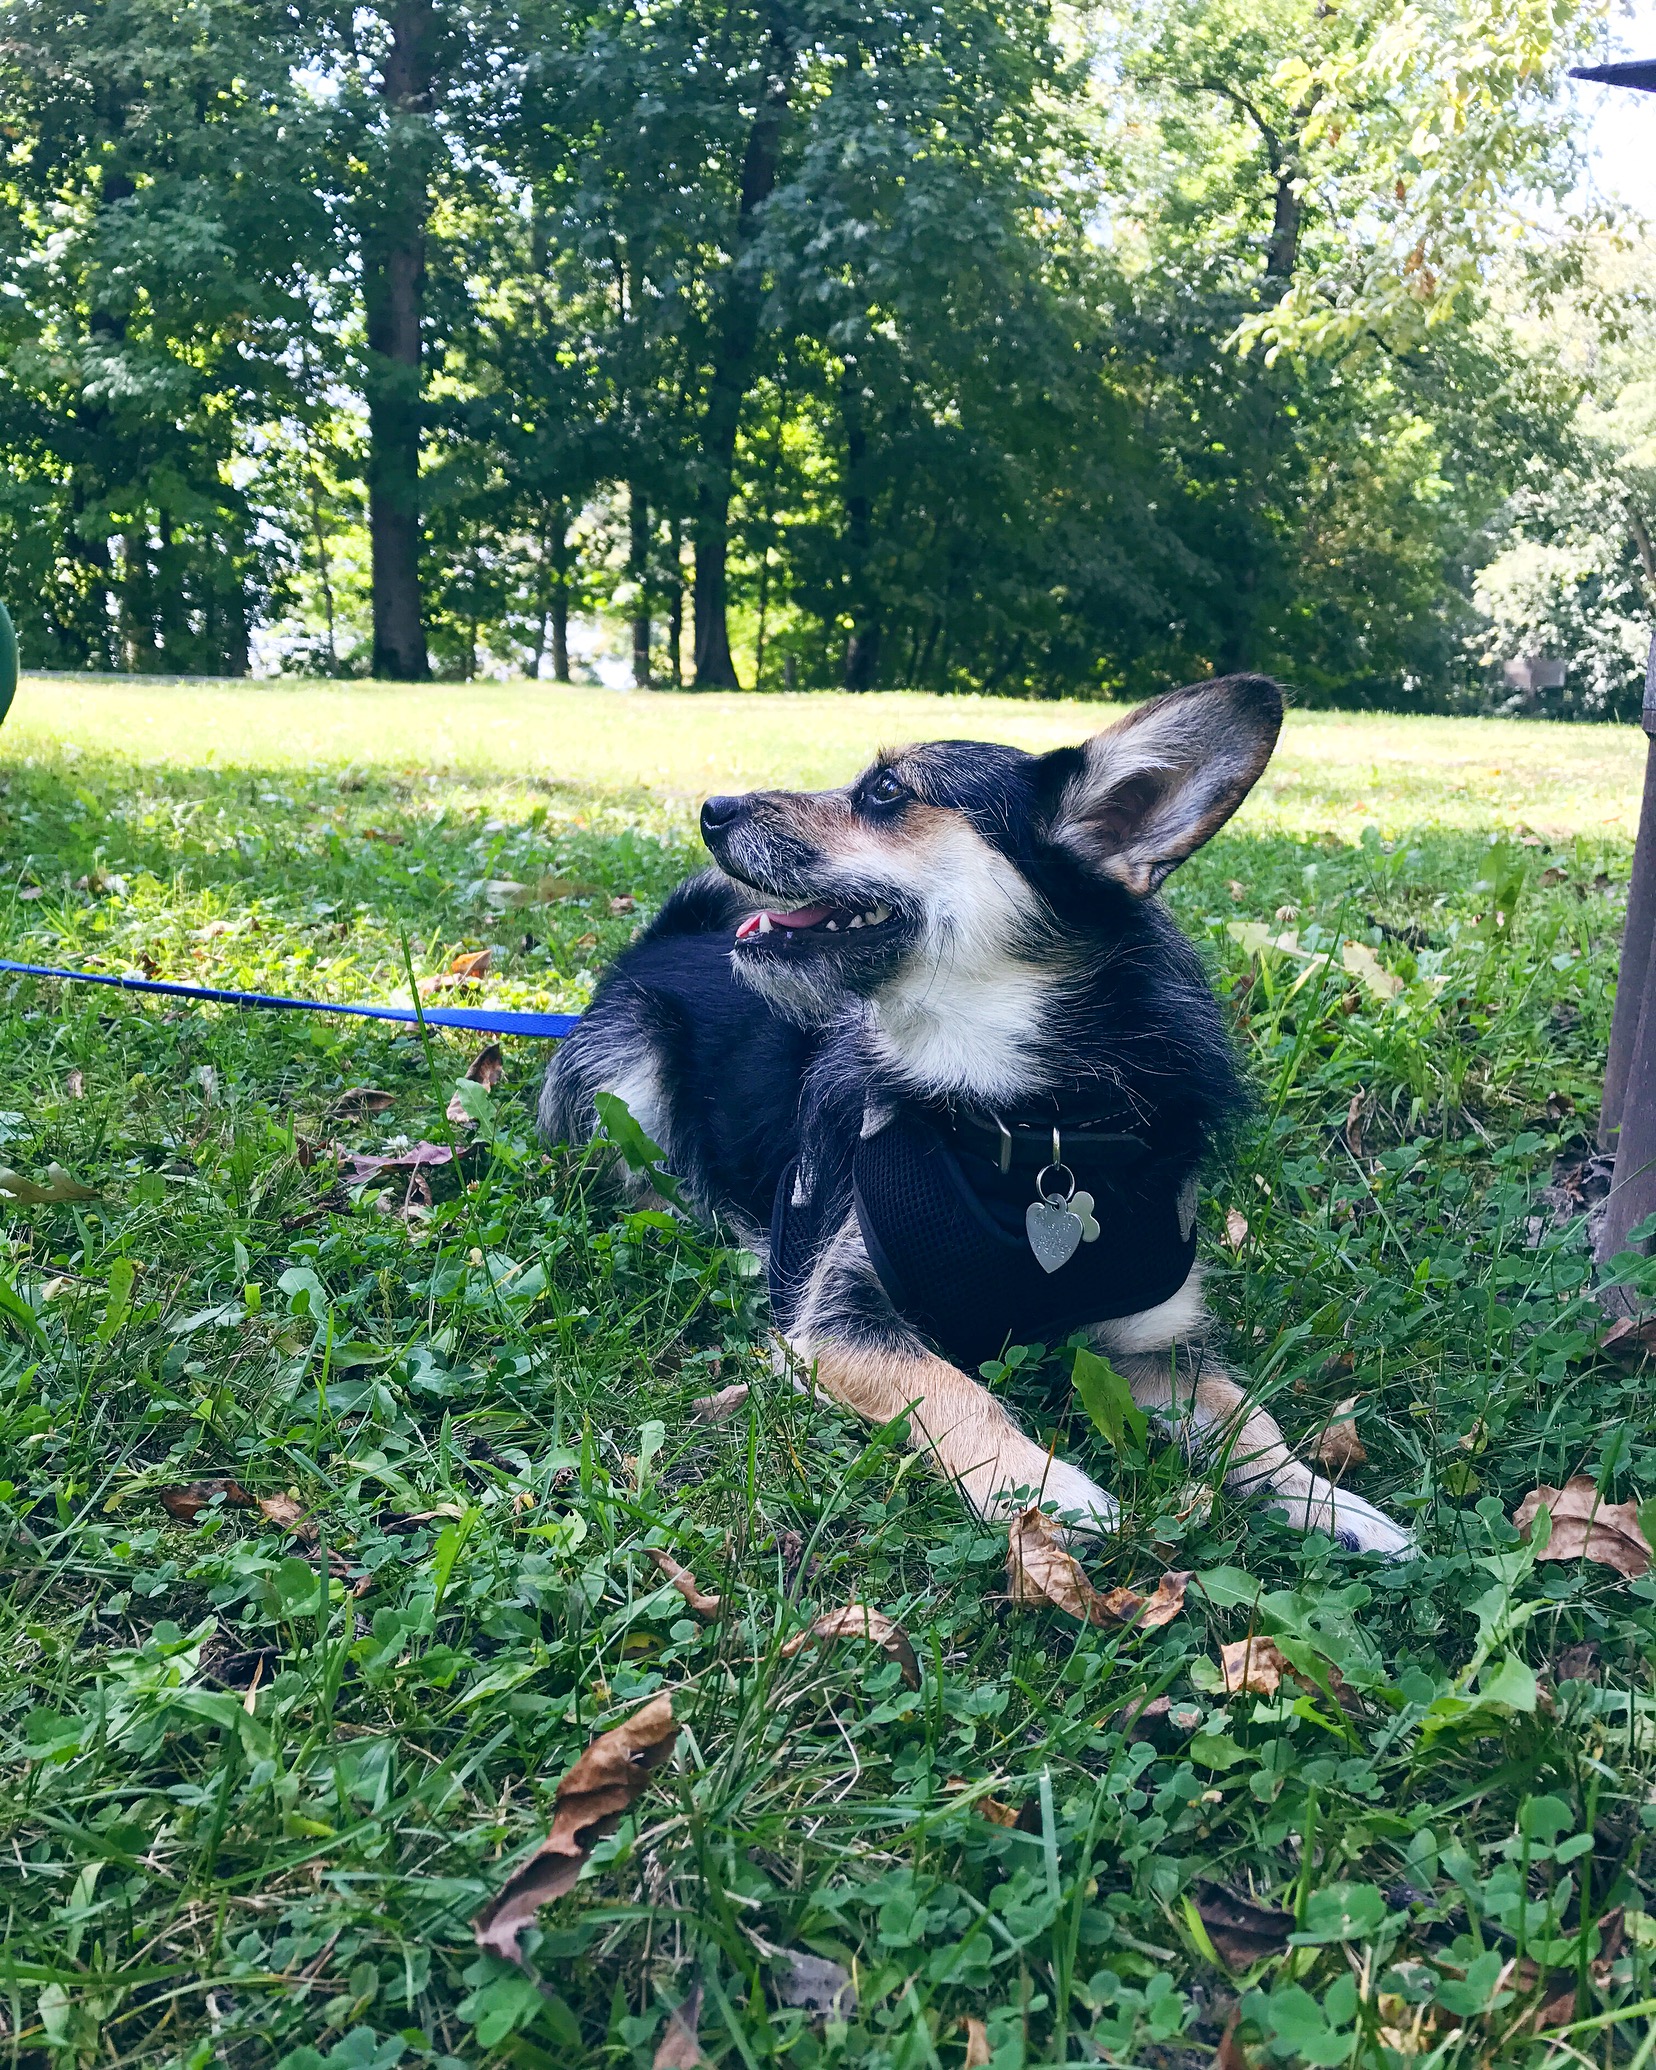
(942,1219)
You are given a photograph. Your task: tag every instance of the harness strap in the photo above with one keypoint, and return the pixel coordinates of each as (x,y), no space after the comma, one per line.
(480,1020)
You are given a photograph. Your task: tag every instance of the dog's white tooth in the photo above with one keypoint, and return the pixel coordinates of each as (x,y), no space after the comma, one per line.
(880,914)
(764,923)
(856,920)
(833,927)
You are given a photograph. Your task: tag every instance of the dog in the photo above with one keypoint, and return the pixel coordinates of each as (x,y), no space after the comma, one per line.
(933,1049)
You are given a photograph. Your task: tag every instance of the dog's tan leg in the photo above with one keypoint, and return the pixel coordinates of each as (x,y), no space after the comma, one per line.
(1210,1414)
(866,1358)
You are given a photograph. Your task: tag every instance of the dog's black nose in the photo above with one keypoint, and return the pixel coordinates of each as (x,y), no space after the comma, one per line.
(719,814)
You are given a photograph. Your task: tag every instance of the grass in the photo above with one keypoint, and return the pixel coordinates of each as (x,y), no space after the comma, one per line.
(254,1783)
(1332,769)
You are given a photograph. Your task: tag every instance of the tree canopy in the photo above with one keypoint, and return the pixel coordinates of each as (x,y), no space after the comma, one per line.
(972,346)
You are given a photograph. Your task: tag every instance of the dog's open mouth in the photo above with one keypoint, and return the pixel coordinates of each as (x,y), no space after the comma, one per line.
(813,921)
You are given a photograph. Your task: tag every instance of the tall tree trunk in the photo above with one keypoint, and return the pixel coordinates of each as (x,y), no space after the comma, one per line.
(862,648)
(324,565)
(638,567)
(675,609)
(393,292)
(560,630)
(1282,253)
(738,338)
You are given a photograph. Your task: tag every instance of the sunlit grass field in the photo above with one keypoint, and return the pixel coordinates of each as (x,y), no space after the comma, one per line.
(1333,769)
(332,1484)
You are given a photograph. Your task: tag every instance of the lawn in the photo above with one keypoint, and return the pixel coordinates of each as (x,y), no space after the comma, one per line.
(332,1483)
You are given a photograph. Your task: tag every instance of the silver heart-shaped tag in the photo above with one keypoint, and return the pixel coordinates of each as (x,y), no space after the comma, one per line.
(1054,1233)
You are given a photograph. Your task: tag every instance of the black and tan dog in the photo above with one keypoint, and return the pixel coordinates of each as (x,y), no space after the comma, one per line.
(931,1046)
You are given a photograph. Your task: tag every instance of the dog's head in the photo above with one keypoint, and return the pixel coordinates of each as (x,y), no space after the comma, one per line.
(962,862)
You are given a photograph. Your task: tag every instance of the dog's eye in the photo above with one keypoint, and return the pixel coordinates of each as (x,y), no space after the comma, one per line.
(886,789)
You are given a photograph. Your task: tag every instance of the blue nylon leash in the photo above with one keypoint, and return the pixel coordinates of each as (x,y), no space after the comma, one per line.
(480,1020)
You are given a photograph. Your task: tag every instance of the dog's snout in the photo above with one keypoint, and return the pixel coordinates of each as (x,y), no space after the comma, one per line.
(719,815)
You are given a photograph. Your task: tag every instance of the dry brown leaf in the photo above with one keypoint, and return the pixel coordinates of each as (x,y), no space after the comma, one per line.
(187,1502)
(686,1583)
(1579,1663)
(1230,2054)
(1164,1601)
(1236,1228)
(625,903)
(720,1407)
(1252,1667)
(858,1621)
(1040,1569)
(1243,1933)
(74,1084)
(362,1099)
(488,1067)
(470,967)
(815,1984)
(997,1812)
(680,2047)
(1585,1526)
(59,1188)
(1354,1124)
(977,2044)
(592,1799)
(1340,1447)
(1236,887)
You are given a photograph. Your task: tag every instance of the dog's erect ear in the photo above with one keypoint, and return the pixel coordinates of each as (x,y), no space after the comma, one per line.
(1135,801)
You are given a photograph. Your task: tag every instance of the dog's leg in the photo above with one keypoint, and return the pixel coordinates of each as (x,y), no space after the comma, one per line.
(867,1358)
(1208,1411)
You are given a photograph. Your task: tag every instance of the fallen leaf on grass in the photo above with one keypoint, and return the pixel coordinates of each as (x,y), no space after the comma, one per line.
(362,1099)
(468,968)
(592,1799)
(1362,963)
(187,1501)
(1354,1124)
(680,2047)
(1585,1526)
(59,1188)
(1040,1569)
(977,2045)
(815,1984)
(1252,1667)
(486,1069)
(720,1407)
(74,1084)
(415,1158)
(1340,1447)
(1578,1663)
(997,1812)
(1630,1337)
(625,903)
(1230,2054)
(1242,1933)
(858,1621)
(686,1583)
(1236,1228)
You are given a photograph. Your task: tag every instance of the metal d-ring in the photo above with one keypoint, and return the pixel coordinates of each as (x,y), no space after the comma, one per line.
(1005,1144)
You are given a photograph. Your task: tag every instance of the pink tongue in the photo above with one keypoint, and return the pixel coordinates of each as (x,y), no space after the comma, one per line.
(803,916)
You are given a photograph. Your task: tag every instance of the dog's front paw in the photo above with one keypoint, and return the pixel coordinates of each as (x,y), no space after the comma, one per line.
(1349,1521)
(1000,1488)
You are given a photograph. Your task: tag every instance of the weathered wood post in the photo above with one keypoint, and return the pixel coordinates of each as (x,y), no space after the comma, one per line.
(1627,1118)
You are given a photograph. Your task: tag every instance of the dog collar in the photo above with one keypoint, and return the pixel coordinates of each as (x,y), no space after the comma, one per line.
(1015,1145)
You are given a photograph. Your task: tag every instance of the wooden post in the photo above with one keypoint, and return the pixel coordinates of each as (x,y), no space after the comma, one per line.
(1627,1121)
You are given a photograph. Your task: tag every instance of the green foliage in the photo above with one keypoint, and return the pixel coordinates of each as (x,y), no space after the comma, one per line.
(931,362)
